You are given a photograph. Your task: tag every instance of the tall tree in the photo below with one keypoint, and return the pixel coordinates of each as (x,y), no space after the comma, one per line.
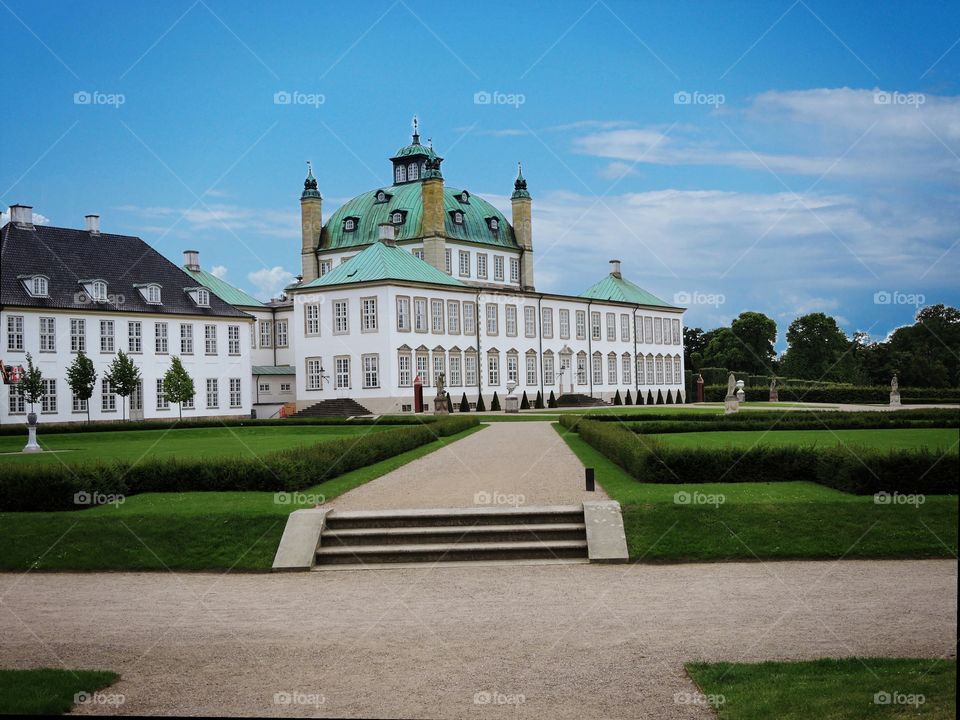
(693,342)
(758,333)
(82,378)
(177,384)
(123,376)
(31,384)
(817,349)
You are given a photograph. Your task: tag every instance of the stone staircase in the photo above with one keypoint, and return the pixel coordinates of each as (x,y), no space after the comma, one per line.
(578,400)
(336,407)
(355,539)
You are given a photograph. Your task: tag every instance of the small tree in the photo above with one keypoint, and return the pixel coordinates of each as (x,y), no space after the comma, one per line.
(480,406)
(539,403)
(82,378)
(449,404)
(495,403)
(123,376)
(659,397)
(629,398)
(650,397)
(552,400)
(617,400)
(31,384)
(524,402)
(177,384)
(464,404)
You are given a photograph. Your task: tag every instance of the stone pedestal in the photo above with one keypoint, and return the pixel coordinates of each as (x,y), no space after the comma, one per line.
(32,446)
(894,399)
(774,396)
(511,404)
(440,406)
(731,404)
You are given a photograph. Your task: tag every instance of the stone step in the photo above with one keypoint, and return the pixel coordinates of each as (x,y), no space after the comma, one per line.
(513,532)
(456,551)
(435,517)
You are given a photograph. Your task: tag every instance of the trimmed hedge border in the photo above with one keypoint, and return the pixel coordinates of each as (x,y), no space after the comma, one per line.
(698,421)
(52,487)
(855,394)
(865,472)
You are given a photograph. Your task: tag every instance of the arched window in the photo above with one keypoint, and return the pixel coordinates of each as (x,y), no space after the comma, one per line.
(153,294)
(349,225)
(40,286)
(203,297)
(413,171)
(458,218)
(99,290)
(494,225)
(397,218)
(401,173)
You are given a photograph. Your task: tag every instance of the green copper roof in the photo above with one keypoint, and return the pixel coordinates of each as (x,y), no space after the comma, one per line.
(384,262)
(409,198)
(274,370)
(614,288)
(222,289)
(415,149)
(520,185)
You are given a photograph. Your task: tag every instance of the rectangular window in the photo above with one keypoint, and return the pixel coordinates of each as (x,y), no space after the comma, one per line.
(453,317)
(677,336)
(311,319)
(15,402)
(582,369)
(368,314)
(418,254)
(498,267)
(514,270)
(420,314)
(597,369)
(325,267)
(210,339)
(482,266)
(263,387)
(612,369)
(280,328)
(285,387)
(162,402)
(667,339)
(469,318)
(314,377)
(371,371)
(611,327)
(529,321)
(49,402)
(677,372)
(403,314)
(581,324)
(595,330)
(341,376)
(546,318)
(456,379)
(625,327)
(657,331)
(422,362)
(188,404)
(79,404)
(548,370)
(464,263)
(404,362)
(668,368)
(626,369)
(448,261)
(186,339)
(510,318)
(531,369)
(649,370)
(78,335)
(564,324)
(341,317)
(493,370)
(233,338)
(106,336)
(436,316)
(134,337)
(108,397)
(160,342)
(266,334)
(15,332)
(513,368)
(659,367)
(648,330)
(236,399)
(492,318)
(470,370)
(439,366)
(48,334)
(213,393)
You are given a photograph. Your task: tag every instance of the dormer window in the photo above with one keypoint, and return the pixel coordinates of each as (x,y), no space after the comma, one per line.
(381,196)
(413,171)
(36,285)
(349,225)
(98,291)
(151,293)
(397,217)
(494,224)
(400,173)
(458,217)
(203,297)
(464,197)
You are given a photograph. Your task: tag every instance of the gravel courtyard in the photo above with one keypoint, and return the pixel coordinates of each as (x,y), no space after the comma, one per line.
(561,641)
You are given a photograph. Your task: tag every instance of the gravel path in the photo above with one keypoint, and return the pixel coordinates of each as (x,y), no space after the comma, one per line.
(568,641)
(506,463)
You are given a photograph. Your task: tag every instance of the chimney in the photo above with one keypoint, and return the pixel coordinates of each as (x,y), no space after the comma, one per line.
(615,268)
(387,234)
(93,224)
(191,259)
(21,215)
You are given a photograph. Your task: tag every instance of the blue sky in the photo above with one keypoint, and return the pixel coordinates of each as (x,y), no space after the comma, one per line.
(784,157)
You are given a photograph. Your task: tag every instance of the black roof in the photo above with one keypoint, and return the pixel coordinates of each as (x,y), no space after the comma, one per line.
(67,257)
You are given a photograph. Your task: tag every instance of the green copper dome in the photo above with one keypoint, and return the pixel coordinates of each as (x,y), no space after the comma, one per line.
(372,208)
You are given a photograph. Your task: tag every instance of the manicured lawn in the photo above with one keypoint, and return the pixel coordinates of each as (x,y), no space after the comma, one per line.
(192,442)
(830,689)
(48,692)
(746,521)
(182,531)
(901,438)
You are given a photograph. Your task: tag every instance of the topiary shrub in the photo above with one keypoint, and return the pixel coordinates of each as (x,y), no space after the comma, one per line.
(552,400)
(660,400)
(464,404)
(629,400)
(449,403)
(495,403)
(481,407)
(539,403)
(617,400)
(650,398)
(524,403)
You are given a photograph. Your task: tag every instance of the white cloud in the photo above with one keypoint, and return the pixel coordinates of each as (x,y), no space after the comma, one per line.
(234,219)
(219,271)
(270,281)
(617,170)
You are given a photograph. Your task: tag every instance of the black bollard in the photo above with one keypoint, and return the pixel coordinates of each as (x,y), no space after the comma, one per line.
(591,483)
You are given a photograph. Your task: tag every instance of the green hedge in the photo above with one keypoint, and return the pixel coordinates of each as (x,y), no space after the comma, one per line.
(795,421)
(52,487)
(838,394)
(866,472)
(943,417)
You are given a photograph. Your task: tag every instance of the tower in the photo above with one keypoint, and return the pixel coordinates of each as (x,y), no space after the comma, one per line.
(311,223)
(520,203)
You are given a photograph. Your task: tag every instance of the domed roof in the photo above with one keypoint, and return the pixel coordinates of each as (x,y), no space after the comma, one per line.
(374,207)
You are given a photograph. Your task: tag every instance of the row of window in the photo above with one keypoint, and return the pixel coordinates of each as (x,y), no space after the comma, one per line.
(465,267)
(272,333)
(369,368)
(97,291)
(108,337)
(108,397)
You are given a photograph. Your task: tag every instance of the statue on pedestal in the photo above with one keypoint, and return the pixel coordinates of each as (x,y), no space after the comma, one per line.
(894,392)
(774,395)
(440,403)
(731,403)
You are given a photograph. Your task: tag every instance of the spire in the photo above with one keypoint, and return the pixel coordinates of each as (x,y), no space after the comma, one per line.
(416,131)
(520,184)
(310,184)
